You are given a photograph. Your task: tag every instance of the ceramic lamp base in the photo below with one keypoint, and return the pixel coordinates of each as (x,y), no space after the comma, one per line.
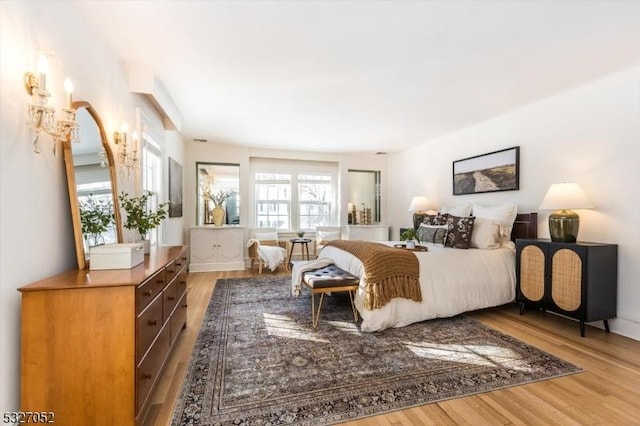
(563,226)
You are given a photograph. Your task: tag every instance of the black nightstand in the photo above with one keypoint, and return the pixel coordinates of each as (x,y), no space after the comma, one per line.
(578,280)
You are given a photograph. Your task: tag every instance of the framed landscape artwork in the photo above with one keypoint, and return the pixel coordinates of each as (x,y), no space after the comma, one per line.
(495,171)
(175,188)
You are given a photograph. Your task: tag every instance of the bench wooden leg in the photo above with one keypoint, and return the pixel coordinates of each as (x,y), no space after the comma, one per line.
(315,316)
(353,305)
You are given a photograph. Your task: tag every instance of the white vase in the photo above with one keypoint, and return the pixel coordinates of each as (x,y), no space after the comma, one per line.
(146,244)
(218,215)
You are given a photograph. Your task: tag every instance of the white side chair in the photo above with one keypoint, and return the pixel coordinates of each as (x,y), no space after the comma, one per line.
(325,234)
(265,237)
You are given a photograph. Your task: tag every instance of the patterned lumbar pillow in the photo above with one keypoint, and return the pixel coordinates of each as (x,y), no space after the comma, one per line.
(459,232)
(432,234)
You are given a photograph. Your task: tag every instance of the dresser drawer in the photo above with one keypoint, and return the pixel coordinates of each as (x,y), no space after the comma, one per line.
(148,290)
(148,324)
(182,261)
(170,271)
(179,319)
(170,298)
(149,369)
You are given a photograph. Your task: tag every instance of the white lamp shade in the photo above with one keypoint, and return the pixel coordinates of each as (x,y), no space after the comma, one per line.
(419,204)
(565,196)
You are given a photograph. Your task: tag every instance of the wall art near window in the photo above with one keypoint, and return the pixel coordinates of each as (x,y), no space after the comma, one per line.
(495,171)
(175,188)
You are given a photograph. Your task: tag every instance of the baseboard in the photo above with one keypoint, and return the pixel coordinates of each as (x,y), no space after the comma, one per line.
(622,326)
(625,327)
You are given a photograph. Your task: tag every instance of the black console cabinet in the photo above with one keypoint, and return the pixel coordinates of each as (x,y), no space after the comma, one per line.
(578,280)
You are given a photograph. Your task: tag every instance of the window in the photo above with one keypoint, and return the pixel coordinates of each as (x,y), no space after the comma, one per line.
(294,195)
(315,199)
(152,176)
(273,200)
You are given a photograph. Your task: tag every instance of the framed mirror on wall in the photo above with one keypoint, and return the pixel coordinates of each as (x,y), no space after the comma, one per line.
(216,179)
(364,197)
(91,181)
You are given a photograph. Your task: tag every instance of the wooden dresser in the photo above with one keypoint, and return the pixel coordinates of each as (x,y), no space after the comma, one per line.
(95,342)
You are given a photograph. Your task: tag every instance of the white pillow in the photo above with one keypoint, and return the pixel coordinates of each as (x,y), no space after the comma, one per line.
(266,236)
(503,214)
(485,234)
(460,211)
(329,235)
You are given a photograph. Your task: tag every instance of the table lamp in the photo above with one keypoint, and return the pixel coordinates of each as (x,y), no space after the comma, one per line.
(563,222)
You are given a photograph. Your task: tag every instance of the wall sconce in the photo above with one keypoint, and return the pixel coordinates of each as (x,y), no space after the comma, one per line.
(128,159)
(563,222)
(41,116)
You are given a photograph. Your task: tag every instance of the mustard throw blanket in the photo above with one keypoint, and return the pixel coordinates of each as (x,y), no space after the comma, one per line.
(389,272)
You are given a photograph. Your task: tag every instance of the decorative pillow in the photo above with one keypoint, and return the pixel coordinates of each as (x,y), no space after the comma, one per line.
(435,219)
(485,234)
(267,236)
(459,232)
(461,211)
(325,236)
(432,234)
(502,214)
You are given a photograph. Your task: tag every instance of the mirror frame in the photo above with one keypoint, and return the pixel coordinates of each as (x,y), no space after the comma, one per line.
(73,192)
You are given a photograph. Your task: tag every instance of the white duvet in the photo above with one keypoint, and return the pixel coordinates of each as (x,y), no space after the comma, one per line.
(452,281)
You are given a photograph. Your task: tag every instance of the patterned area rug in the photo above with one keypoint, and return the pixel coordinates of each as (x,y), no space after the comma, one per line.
(258,361)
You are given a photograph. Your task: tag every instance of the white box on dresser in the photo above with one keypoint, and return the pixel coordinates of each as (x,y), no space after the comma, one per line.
(216,248)
(116,256)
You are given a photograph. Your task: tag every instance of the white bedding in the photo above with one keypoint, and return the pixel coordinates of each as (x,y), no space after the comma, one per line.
(452,281)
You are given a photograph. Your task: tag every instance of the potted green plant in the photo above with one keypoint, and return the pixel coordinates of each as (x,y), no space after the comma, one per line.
(96,215)
(300,233)
(410,236)
(140,217)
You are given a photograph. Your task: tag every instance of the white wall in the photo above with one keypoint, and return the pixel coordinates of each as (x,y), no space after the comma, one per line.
(590,135)
(35,226)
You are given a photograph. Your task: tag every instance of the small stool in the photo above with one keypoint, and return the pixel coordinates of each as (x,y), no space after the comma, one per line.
(330,279)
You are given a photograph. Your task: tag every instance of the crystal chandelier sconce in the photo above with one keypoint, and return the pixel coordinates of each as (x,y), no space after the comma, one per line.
(41,116)
(128,159)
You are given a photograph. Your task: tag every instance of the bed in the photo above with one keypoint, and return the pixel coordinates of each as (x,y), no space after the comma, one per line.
(452,281)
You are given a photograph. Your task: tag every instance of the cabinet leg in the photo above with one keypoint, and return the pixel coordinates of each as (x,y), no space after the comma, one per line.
(521,308)
(606,325)
(582,328)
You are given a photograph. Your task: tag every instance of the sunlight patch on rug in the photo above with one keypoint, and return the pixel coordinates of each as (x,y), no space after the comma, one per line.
(283,326)
(257,360)
(470,354)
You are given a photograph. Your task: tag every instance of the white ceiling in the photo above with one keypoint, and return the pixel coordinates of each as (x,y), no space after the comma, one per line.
(362,76)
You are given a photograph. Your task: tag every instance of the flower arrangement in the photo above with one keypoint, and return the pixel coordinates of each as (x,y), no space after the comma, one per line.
(96,215)
(139,217)
(218,198)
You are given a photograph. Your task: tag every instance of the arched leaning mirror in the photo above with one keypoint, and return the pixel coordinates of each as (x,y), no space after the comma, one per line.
(91,179)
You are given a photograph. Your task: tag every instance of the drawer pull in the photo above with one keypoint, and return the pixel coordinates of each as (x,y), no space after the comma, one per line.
(184,306)
(183,281)
(152,323)
(146,376)
(178,264)
(160,281)
(171,298)
(148,293)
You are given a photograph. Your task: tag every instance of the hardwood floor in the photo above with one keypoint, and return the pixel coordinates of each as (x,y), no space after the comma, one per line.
(607,393)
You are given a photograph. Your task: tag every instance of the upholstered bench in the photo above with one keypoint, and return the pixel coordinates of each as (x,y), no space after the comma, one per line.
(329,279)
